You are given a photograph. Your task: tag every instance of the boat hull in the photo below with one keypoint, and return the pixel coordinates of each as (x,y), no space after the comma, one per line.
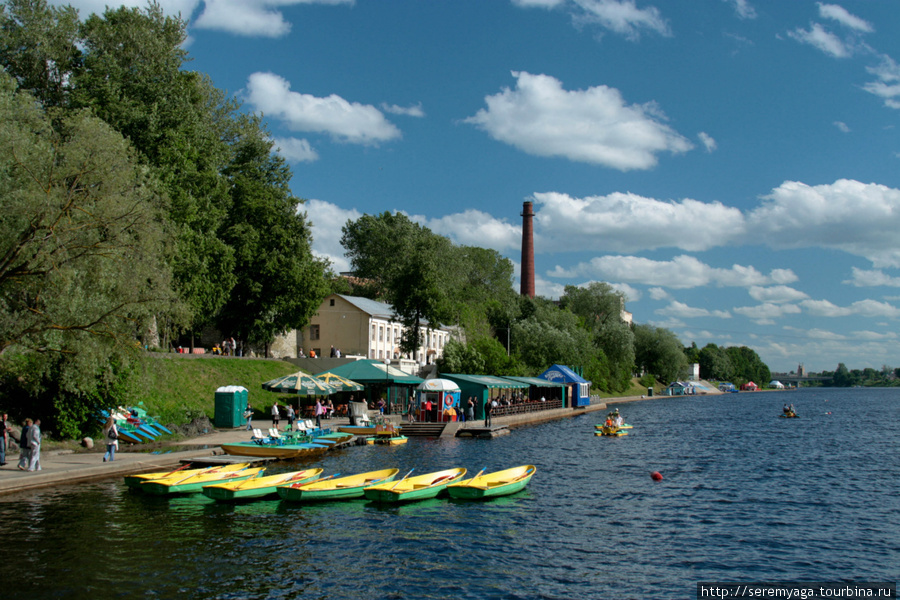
(193,485)
(491,485)
(259,487)
(388,441)
(135,481)
(342,488)
(611,431)
(273,451)
(411,489)
(353,430)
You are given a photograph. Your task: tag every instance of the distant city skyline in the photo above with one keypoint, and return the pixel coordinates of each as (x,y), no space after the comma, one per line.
(732,166)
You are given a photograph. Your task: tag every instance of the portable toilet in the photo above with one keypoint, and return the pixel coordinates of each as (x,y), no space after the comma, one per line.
(231,401)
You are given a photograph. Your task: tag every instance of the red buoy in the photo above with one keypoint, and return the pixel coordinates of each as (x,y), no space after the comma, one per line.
(656,476)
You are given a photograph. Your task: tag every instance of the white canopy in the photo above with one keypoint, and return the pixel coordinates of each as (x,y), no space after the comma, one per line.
(438,385)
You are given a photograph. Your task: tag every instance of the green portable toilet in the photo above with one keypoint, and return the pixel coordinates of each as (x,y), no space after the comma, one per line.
(231,401)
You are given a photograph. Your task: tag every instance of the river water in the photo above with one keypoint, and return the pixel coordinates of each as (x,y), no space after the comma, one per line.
(746,496)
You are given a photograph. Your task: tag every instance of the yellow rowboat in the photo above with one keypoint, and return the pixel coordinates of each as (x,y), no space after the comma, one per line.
(135,481)
(341,488)
(181,484)
(258,487)
(395,440)
(419,487)
(489,485)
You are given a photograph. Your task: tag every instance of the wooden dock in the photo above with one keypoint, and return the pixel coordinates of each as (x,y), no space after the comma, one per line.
(483,432)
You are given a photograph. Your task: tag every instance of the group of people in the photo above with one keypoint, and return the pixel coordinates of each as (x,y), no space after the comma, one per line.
(29,443)
(614,419)
(228,347)
(788,409)
(322,409)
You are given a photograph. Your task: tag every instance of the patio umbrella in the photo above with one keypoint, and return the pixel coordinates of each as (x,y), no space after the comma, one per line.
(340,384)
(302,384)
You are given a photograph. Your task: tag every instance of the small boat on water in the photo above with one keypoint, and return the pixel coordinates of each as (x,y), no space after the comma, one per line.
(190,484)
(602,425)
(257,487)
(273,450)
(789,415)
(135,481)
(611,431)
(489,485)
(387,434)
(341,488)
(419,487)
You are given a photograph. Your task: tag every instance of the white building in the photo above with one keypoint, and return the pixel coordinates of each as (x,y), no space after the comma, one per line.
(362,327)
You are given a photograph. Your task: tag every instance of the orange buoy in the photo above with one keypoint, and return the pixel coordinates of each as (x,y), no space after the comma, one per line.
(656,476)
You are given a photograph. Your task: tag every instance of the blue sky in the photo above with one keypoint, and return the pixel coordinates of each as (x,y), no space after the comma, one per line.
(733,166)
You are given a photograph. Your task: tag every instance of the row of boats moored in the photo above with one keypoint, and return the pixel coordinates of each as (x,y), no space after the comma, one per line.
(240,481)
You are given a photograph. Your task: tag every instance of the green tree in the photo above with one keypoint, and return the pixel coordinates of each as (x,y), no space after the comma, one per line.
(715,363)
(82,248)
(39,48)
(658,351)
(600,308)
(280,284)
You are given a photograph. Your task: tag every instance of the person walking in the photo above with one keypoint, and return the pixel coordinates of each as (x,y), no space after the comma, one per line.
(487,413)
(248,414)
(275,415)
(470,409)
(34,444)
(111,436)
(4,437)
(319,410)
(290,417)
(24,451)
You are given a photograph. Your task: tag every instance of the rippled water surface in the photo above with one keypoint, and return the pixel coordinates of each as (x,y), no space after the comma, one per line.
(746,496)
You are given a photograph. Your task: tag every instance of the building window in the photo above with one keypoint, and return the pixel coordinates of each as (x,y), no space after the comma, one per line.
(313,332)
(373,333)
(381,334)
(331,302)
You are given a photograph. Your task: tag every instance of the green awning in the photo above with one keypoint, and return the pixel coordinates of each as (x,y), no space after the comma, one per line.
(369,371)
(537,382)
(488,381)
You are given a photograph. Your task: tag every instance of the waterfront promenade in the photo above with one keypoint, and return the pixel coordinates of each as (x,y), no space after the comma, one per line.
(61,467)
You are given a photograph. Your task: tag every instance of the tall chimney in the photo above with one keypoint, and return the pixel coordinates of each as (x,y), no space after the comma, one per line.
(527,275)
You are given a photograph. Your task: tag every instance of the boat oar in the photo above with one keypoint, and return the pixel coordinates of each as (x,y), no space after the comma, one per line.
(476,476)
(296,485)
(249,479)
(404,477)
(175,471)
(203,472)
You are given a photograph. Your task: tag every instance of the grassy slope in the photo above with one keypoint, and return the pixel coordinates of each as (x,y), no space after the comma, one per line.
(180,388)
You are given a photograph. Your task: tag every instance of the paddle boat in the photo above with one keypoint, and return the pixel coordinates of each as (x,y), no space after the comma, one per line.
(190,484)
(489,485)
(789,415)
(419,487)
(257,487)
(611,431)
(341,488)
(387,433)
(135,481)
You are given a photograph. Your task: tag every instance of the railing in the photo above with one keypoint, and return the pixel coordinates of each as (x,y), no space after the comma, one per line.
(525,407)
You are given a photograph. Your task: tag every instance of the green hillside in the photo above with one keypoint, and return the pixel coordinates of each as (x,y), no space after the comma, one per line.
(178,388)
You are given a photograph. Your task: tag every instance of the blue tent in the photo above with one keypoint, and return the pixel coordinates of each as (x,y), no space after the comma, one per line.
(579,386)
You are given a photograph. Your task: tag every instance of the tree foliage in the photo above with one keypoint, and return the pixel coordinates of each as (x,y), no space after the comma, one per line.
(659,352)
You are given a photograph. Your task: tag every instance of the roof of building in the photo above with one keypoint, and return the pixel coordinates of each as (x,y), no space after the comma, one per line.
(562,373)
(488,381)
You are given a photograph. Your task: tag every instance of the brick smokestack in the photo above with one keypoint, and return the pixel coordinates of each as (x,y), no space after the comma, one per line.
(527,277)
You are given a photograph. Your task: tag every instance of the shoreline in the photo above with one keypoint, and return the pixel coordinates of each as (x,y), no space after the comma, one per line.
(64,467)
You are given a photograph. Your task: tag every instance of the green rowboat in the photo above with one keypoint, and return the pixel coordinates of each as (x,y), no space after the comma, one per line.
(419,487)
(258,487)
(181,484)
(342,488)
(489,485)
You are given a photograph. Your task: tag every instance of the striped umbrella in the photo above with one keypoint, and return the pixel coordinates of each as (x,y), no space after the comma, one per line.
(340,384)
(302,384)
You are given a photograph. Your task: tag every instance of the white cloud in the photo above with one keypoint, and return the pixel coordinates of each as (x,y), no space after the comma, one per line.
(408,111)
(595,126)
(538,3)
(476,228)
(620,16)
(815,334)
(610,223)
(708,142)
(743,8)
(862,278)
(874,335)
(840,14)
(295,150)
(682,272)
(825,41)
(766,313)
(887,86)
(683,311)
(254,18)
(346,121)
(776,294)
(861,219)
(658,293)
(842,126)
(327,221)
(863,308)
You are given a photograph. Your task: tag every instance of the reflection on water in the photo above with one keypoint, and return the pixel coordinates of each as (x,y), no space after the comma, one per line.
(745,496)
